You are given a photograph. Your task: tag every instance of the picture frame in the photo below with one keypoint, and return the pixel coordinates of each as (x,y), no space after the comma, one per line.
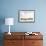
(26,16)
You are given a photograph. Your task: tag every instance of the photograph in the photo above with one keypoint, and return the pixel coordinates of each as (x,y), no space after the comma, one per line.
(26,16)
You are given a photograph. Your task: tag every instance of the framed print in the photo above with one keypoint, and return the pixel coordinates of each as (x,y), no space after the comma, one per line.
(26,16)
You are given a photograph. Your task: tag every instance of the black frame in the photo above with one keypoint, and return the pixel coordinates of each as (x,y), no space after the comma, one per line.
(27,21)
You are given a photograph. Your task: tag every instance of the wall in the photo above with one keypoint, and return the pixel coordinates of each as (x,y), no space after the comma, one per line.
(9,8)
